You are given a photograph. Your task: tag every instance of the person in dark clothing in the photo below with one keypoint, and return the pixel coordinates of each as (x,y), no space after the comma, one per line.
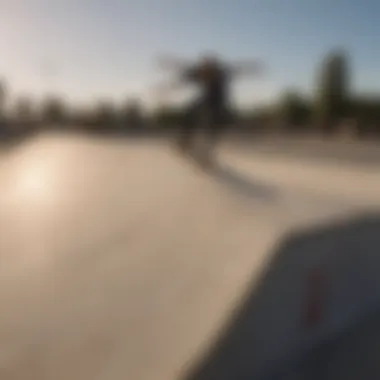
(210,110)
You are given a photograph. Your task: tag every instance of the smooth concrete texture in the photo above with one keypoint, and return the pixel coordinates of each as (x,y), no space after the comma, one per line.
(309,310)
(122,260)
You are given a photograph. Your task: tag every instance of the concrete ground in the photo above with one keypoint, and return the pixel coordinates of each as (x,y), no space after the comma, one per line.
(122,260)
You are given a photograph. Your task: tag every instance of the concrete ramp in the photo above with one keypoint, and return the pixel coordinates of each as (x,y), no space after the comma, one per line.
(307,313)
(121,260)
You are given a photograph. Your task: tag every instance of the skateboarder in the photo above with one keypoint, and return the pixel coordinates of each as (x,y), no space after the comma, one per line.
(210,110)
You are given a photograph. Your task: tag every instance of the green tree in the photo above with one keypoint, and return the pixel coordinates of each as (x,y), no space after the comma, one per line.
(332,97)
(23,109)
(294,110)
(3,101)
(261,119)
(81,118)
(168,117)
(105,115)
(54,111)
(3,95)
(24,114)
(365,110)
(132,115)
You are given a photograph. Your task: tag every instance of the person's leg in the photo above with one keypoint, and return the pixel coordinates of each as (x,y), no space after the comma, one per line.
(189,126)
(214,131)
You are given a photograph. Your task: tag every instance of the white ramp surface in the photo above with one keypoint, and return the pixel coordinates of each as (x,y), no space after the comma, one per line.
(122,261)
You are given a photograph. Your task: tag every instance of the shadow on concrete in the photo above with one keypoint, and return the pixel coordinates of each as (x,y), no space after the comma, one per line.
(313,148)
(297,319)
(132,133)
(10,140)
(242,184)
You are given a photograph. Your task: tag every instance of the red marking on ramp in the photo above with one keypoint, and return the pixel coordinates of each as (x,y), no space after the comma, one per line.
(315,299)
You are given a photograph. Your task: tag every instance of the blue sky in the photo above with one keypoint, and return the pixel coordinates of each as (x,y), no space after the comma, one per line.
(90,49)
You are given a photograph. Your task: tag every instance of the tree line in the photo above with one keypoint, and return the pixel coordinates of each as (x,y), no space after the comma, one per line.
(331,108)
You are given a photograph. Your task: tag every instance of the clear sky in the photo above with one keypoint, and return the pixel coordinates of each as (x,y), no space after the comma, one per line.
(94,48)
